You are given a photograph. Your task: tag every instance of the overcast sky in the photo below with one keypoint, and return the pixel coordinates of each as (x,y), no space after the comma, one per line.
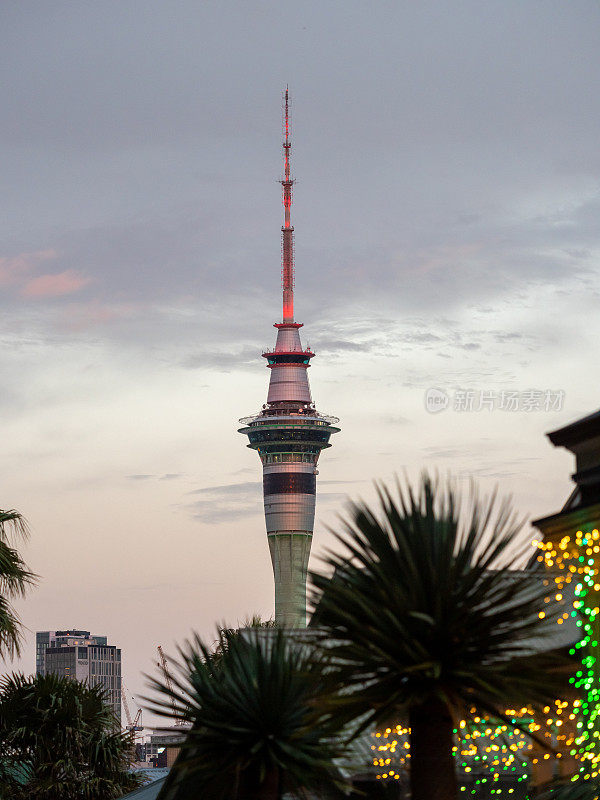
(446,216)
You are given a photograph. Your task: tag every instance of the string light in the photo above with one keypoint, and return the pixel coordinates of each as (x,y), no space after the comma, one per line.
(575,558)
(492,749)
(488,749)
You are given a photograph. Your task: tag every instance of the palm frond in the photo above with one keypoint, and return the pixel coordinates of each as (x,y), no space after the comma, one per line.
(426,601)
(15,579)
(58,739)
(11,637)
(13,525)
(257,711)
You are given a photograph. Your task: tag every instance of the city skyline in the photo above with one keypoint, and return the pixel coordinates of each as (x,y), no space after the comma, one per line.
(448,204)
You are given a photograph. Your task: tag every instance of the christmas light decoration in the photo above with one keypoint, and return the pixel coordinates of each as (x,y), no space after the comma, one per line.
(488,749)
(575,558)
(491,749)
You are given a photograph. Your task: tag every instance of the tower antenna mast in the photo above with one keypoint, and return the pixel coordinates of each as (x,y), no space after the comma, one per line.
(287,230)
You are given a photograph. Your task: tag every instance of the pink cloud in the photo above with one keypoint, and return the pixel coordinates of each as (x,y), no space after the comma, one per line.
(14,269)
(435,258)
(55,285)
(83,316)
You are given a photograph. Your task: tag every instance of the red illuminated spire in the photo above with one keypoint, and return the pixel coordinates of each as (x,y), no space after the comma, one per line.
(287,231)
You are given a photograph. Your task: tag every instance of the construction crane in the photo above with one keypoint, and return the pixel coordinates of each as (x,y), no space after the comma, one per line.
(135,725)
(162,664)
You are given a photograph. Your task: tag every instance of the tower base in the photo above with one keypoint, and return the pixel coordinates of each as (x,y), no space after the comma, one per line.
(289,554)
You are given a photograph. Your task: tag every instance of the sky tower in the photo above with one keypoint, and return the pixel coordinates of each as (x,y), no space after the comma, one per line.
(288,434)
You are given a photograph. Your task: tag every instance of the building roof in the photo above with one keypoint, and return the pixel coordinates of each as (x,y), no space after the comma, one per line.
(584,428)
(582,438)
(148,792)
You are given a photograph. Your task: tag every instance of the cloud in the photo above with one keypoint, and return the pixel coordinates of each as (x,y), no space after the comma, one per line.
(424,337)
(331,497)
(14,269)
(246,357)
(499,468)
(395,419)
(446,452)
(226,502)
(82,316)
(233,501)
(470,211)
(168,476)
(330,346)
(510,336)
(55,285)
(335,482)
(228,489)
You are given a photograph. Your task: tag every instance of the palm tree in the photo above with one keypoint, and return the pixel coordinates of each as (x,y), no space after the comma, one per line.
(15,578)
(225,634)
(428,622)
(260,725)
(59,738)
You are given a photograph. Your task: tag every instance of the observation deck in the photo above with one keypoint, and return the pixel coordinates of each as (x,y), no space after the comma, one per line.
(291,356)
(305,434)
(289,418)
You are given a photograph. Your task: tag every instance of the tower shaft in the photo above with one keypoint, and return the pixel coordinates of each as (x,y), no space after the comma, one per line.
(289,434)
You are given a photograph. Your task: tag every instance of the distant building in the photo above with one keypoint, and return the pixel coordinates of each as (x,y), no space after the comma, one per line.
(570,548)
(582,509)
(45,639)
(163,746)
(82,656)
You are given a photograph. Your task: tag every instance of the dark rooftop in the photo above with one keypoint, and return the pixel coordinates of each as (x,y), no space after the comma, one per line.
(575,432)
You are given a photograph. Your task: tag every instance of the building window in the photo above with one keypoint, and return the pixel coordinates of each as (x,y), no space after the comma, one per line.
(289,483)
